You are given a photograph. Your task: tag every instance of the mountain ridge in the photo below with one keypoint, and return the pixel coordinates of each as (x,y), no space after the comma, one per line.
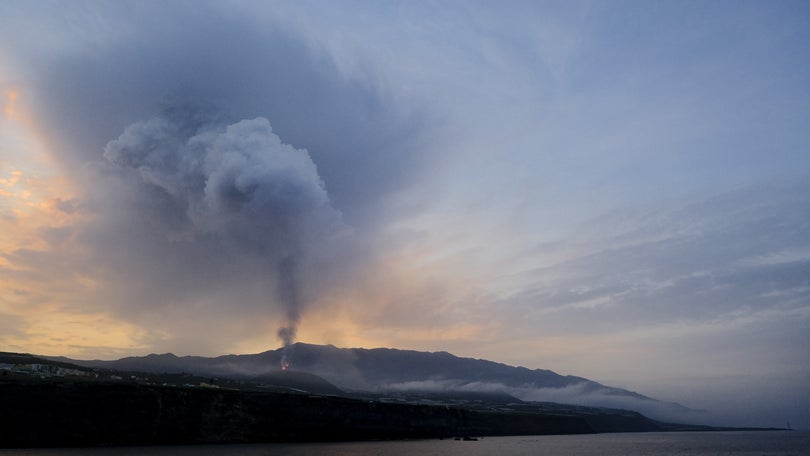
(84,403)
(395,370)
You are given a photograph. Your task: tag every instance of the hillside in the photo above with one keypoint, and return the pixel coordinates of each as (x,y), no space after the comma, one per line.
(402,371)
(57,403)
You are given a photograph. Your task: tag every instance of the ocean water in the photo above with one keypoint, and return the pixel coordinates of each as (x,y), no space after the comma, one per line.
(764,443)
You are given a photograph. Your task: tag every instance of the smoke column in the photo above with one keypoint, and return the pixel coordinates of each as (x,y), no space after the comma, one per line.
(289,293)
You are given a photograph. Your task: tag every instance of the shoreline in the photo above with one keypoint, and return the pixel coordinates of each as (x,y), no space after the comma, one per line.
(81,414)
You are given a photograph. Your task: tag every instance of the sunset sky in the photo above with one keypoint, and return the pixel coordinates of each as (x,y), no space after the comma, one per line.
(615,190)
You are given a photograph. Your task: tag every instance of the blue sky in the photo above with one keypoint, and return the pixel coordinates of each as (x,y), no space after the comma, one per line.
(616,190)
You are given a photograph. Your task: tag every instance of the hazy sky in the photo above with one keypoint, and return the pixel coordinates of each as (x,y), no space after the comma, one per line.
(615,190)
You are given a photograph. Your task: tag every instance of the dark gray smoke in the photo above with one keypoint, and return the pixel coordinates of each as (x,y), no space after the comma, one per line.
(288,292)
(235,187)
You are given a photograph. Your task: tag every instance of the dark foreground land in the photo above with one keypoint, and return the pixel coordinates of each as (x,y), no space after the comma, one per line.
(54,403)
(98,413)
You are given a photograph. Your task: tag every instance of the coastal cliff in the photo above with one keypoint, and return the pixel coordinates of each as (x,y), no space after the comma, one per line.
(92,414)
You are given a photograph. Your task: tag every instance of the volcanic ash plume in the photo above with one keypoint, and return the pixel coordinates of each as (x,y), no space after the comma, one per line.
(288,293)
(235,189)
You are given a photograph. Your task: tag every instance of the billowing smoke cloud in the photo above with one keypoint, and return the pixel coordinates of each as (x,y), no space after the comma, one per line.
(236,187)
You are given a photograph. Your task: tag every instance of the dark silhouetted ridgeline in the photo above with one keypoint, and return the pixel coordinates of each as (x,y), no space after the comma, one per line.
(54,403)
(92,414)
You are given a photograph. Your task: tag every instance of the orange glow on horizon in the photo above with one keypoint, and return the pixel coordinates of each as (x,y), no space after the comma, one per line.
(33,197)
(11,101)
(57,331)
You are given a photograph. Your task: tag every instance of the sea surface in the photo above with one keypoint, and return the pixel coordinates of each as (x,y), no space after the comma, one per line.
(762,443)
